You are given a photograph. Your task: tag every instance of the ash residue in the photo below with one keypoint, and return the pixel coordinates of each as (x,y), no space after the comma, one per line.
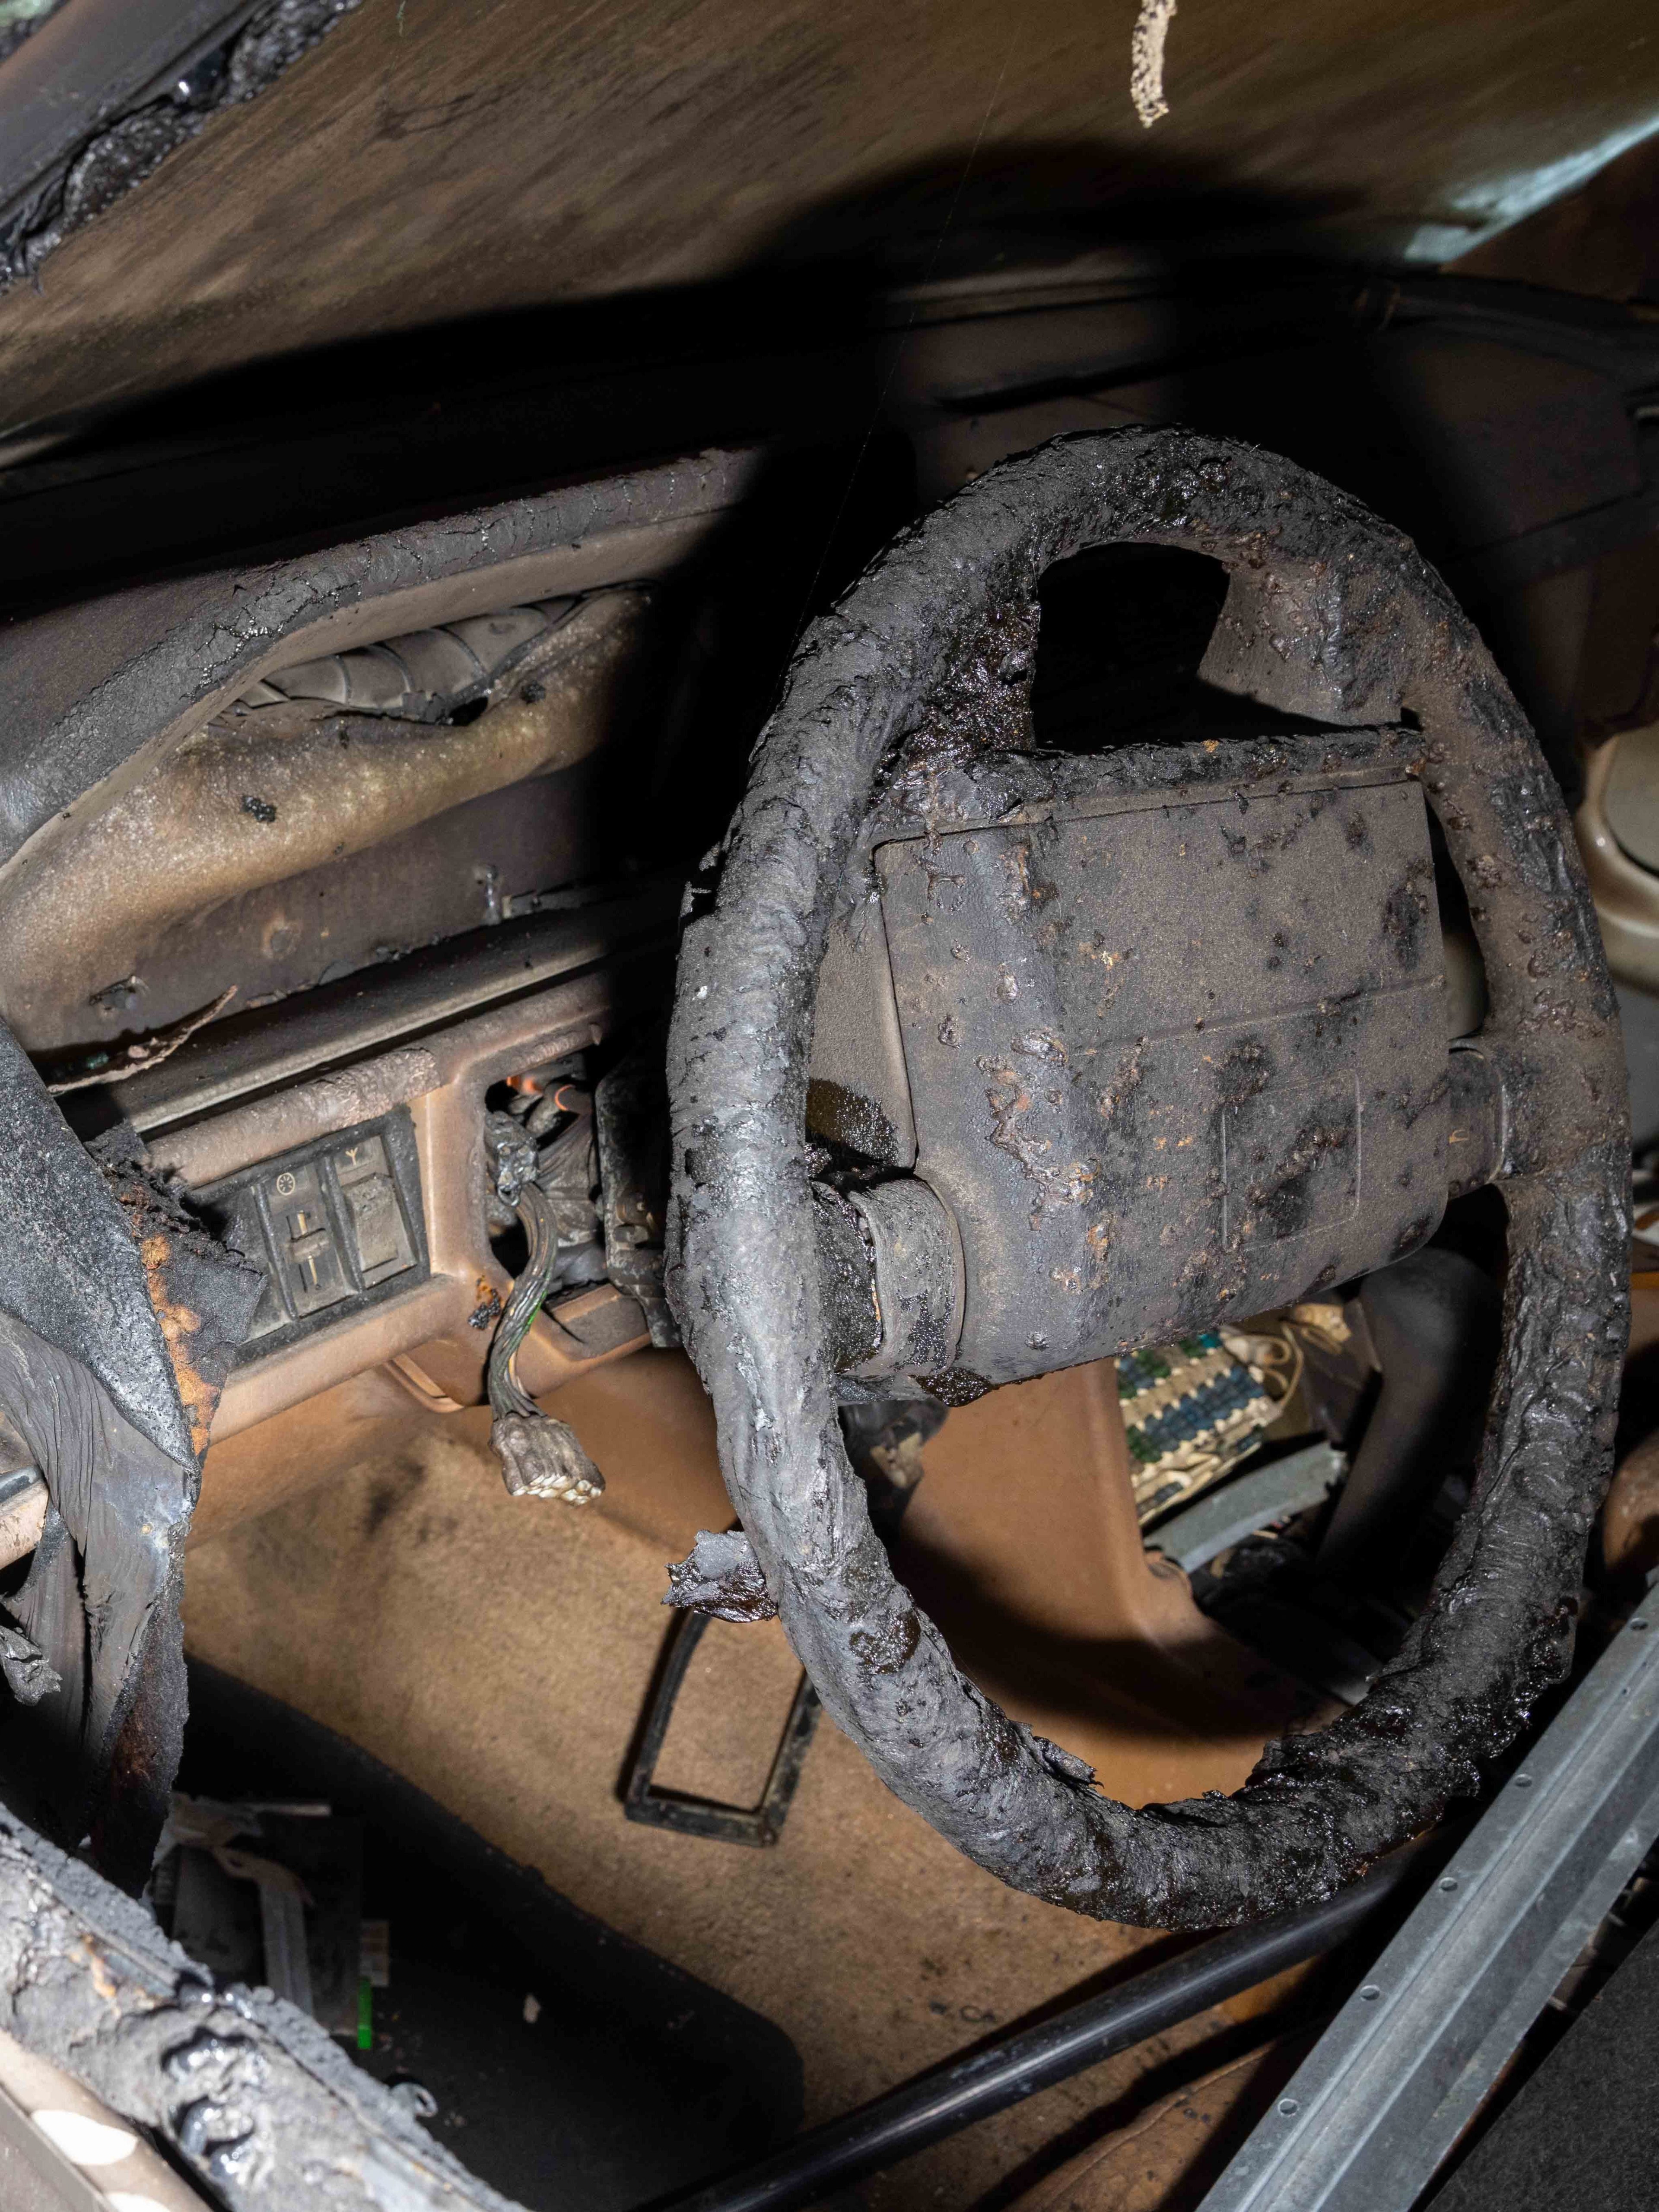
(1406,916)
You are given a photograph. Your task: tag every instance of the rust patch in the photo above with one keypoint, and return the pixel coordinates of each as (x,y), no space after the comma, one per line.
(98,1970)
(180,1324)
(202,1294)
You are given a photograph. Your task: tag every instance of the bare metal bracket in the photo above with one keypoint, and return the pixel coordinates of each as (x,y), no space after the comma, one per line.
(1401,2071)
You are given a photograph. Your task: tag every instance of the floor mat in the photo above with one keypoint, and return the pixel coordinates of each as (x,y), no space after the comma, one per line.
(570,2066)
(1582,2133)
(498,1651)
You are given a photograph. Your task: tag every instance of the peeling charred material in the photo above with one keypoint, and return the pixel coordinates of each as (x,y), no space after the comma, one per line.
(29,1674)
(120,1317)
(846,1279)
(202,1294)
(917,1270)
(1331,614)
(631,1120)
(248,2093)
(69,1265)
(721,1576)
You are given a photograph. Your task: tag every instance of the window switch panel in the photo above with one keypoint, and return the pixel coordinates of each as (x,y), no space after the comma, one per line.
(335,1225)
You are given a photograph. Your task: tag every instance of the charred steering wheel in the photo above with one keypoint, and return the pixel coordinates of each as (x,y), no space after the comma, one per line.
(1089,1151)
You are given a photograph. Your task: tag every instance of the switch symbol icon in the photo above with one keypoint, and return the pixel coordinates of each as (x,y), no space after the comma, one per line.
(307,1251)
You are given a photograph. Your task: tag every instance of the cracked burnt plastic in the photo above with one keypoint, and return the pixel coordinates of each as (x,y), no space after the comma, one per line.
(906,716)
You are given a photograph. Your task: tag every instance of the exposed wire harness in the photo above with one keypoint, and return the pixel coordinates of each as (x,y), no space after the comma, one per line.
(540,1455)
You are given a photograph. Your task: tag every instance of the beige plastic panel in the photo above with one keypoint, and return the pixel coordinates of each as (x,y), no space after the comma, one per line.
(1626,894)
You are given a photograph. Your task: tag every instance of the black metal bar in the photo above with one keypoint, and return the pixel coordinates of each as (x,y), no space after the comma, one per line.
(955,2096)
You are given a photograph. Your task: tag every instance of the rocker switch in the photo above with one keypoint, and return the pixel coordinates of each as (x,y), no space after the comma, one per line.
(306,1251)
(335,1227)
(380,1236)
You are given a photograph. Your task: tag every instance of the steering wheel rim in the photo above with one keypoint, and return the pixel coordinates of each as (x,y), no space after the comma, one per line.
(1332,613)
